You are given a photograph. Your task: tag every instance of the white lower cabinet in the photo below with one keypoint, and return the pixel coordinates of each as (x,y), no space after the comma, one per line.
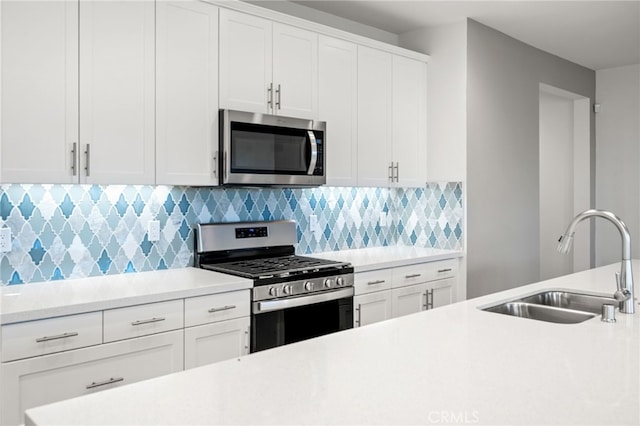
(371,308)
(215,342)
(45,379)
(393,292)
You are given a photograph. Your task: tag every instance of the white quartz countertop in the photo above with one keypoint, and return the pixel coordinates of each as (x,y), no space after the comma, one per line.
(451,365)
(26,302)
(371,258)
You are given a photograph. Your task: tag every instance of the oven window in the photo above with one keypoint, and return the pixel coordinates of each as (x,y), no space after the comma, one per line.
(268,150)
(277,328)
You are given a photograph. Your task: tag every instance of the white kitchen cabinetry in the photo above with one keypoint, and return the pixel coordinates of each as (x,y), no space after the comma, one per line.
(391,119)
(393,292)
(78,92)
(217,328)
(371,308)
(215,342)
(267,67)
(39,91)
(338,106)
(45,379)
(186,93)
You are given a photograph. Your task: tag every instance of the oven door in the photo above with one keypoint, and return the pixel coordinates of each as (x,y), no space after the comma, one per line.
(260,149)
(279,322)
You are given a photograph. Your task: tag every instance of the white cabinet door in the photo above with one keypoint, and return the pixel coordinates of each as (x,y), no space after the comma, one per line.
(442,292)
(338,106)
(186,93)
(295,71)
(409,118)
(245,62)
(371,308)
(39,91)
(215,342)
(50,378)
(117,92)
(374,112)
(408,300)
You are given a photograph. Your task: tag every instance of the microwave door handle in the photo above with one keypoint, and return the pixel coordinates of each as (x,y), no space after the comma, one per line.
(314,152)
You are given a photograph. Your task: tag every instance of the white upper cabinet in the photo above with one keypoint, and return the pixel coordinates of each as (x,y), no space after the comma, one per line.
(295,72)
(374,112)
(409,122)
(117,92)
(392,118)
(267,67)
(39,91)
(338,106)
(78,92)
(186,93)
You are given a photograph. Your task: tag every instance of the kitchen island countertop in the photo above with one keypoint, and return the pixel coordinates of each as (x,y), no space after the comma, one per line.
(451,365)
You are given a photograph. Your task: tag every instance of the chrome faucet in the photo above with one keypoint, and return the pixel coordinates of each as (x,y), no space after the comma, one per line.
(624,278)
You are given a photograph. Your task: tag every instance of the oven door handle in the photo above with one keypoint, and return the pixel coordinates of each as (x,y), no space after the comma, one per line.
(276,305)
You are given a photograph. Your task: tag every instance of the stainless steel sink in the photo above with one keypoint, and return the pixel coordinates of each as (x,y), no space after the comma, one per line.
(558,306)
(569,300)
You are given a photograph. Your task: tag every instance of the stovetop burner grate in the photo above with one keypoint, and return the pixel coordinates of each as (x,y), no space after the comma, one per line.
(272,266)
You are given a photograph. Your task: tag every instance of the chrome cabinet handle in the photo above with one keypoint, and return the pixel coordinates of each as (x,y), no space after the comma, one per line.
(375,282)
(270,96)
(148,321)
(87,164)
(278,97)
(430,299)
(74,159)
(445,270)
(359,317)
(397,174)
(314,152)
(426,300)
(106,382)
(412,276)
(246,341)
(59,336)
(224,308)
(215,164)
(391,172)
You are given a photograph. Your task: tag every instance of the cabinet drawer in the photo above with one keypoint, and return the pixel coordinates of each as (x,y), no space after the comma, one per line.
(141,320)
(367,282)
(424,272)
(220,341)
(43,380)
(216,307)
(34,338)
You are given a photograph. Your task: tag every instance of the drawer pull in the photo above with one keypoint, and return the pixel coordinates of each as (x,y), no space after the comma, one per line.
(148,321)
(444,270)
(106,382)
(375,282)
(412,276)
(224,308)
(59,336)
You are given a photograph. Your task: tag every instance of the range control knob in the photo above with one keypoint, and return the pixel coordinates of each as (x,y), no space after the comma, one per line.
(287,289)
(273,291)
(328,282)
(339,281)
(308,286)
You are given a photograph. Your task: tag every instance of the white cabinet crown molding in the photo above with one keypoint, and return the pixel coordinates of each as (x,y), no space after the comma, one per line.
(318,28)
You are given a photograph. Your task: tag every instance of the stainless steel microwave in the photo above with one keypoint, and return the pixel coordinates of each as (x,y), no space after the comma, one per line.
(262,149)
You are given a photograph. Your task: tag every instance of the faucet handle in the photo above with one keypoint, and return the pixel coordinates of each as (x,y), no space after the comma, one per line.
(621,294)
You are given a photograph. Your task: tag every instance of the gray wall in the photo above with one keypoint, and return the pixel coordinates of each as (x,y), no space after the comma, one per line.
(503,77)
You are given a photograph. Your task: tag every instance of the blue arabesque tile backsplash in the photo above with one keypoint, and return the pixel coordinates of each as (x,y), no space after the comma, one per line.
(73,231)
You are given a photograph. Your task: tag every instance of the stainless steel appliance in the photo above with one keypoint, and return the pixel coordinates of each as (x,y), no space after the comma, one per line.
(262,149)
(293,297)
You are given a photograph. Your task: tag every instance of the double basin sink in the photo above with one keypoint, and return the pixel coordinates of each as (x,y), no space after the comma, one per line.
(558,306)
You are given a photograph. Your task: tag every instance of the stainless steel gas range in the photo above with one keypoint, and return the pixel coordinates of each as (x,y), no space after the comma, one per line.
(294,297)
